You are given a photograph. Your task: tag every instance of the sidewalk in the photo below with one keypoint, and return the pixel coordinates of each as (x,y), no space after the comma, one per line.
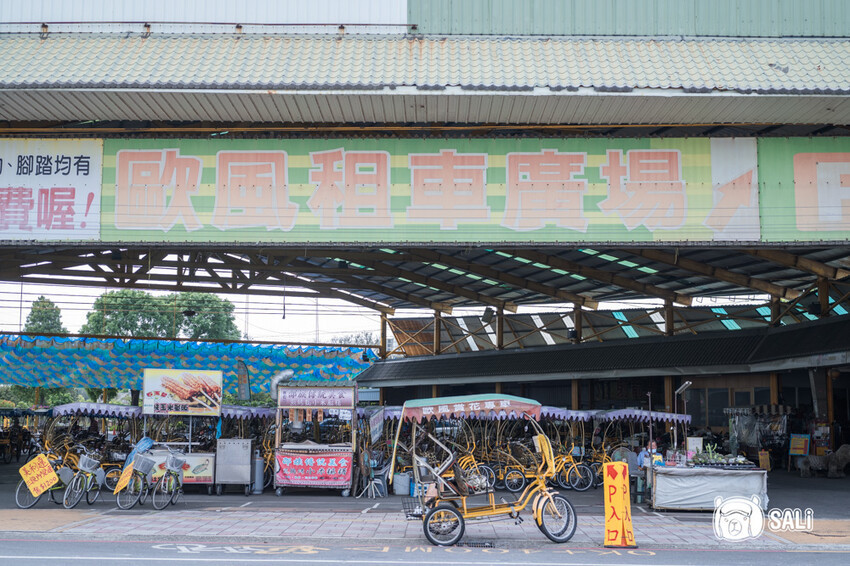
(369,525)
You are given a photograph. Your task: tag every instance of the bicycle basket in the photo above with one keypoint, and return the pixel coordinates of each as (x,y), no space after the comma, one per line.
(412,508)
(174,463)
(143,464)
(88,464)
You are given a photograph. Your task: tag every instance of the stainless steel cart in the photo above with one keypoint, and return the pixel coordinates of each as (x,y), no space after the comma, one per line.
(233,463)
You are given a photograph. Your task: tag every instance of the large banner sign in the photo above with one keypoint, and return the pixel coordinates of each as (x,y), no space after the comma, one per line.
(318,469)
(316,397)
(456,191)
(50,189)
(182,392)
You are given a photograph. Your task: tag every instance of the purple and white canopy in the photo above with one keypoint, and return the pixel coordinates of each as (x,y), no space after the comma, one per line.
(566,414)
(98,410)
(641,415)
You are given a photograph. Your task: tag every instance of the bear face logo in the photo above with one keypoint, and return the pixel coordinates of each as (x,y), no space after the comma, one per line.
(738,518)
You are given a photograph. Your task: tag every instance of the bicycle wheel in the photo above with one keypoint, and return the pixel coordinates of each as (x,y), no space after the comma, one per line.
(563,479)
(93,490)
(558,519)
(74,491)
(488,473)
(162,492)
(131,492)
(24,497)
(514,480)
(7,454)
(268,476)
(597,473)
(581,477)
(443,525)
(111,478)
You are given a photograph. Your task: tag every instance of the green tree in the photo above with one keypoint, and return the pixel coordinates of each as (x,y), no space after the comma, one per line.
(364,338)
(206,317)
(44,318)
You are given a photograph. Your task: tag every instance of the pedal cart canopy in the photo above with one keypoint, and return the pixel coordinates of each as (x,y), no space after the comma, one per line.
(487,406)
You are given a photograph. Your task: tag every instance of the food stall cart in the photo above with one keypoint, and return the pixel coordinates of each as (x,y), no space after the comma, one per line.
(315,436)
(183,394)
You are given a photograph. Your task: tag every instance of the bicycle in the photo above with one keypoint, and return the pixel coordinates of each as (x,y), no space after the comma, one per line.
(170,486)
(139,485)
(24,498)
(88,480)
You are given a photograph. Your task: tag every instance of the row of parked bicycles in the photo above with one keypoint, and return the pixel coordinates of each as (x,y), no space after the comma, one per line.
(83,472)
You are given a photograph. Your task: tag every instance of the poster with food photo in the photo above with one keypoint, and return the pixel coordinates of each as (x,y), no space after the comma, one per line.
(182,392)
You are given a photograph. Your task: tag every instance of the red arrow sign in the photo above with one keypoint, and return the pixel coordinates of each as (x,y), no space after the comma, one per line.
(612,473)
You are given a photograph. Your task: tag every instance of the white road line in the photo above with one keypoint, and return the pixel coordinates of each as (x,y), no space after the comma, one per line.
(375,506)
(246,504)
(302,560)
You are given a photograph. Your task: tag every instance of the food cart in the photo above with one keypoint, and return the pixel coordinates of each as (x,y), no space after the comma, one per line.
(315,436)
(176,398)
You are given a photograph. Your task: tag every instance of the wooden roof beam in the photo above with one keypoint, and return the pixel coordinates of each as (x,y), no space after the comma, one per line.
(513,280)
(393,271)
(716,273)
(605,276)
(788,259)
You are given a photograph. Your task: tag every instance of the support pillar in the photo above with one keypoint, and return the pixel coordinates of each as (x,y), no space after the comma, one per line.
(382,350)
(437,331)
(498,387)
(668,318)
(668,393)
(823,295)
(774,388)
(434,390)
(830,406)
(775,310)
(578,322)
(500,331)
(575,400)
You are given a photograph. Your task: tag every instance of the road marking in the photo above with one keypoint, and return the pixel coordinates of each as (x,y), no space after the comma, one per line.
(301,560)
(246,504)
(375,506)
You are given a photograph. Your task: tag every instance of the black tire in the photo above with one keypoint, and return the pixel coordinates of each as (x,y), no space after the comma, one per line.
(597,473)
(444,525)
(581,477)
(111,479)
(74,491)
(131,493)
(488,473)
(514,480)
(558,519)
(52,495)
(247,490)
(563,479)
(162,493)
(93,492)
(268,476)
(219,489)
(24,497)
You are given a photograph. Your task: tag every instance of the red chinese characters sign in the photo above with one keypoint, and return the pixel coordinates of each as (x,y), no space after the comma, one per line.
(618,507)
(315,397)
(38,474)
(50,189)
(319,469)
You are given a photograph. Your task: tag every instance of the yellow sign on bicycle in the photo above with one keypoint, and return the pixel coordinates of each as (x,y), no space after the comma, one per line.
(39,475)
(124,479)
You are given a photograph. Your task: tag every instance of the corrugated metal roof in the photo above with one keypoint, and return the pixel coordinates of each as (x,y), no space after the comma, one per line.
(709,353)
(254,62)
(819,18)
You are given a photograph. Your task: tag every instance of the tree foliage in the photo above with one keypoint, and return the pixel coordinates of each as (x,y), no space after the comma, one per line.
(44,318)
(363,338)
(128,312)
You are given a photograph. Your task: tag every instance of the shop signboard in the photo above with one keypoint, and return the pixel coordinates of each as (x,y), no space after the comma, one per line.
(376,425)
(315,397)
(50,189)
(199,467)
(799,445)
(480,190)
(317,469)
(182,392)
(38,474)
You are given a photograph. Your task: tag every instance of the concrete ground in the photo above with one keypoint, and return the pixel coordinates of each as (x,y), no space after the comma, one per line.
(321,515)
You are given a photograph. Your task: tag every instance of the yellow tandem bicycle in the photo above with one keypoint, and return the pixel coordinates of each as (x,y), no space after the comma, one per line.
(445,505)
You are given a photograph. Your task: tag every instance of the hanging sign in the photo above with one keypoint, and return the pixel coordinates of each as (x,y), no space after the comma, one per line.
(313,397)
(618,511)
(39,475)
(182,392)
(243,381)
(376,424)
(325,469)
(799,445)
(124,479)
